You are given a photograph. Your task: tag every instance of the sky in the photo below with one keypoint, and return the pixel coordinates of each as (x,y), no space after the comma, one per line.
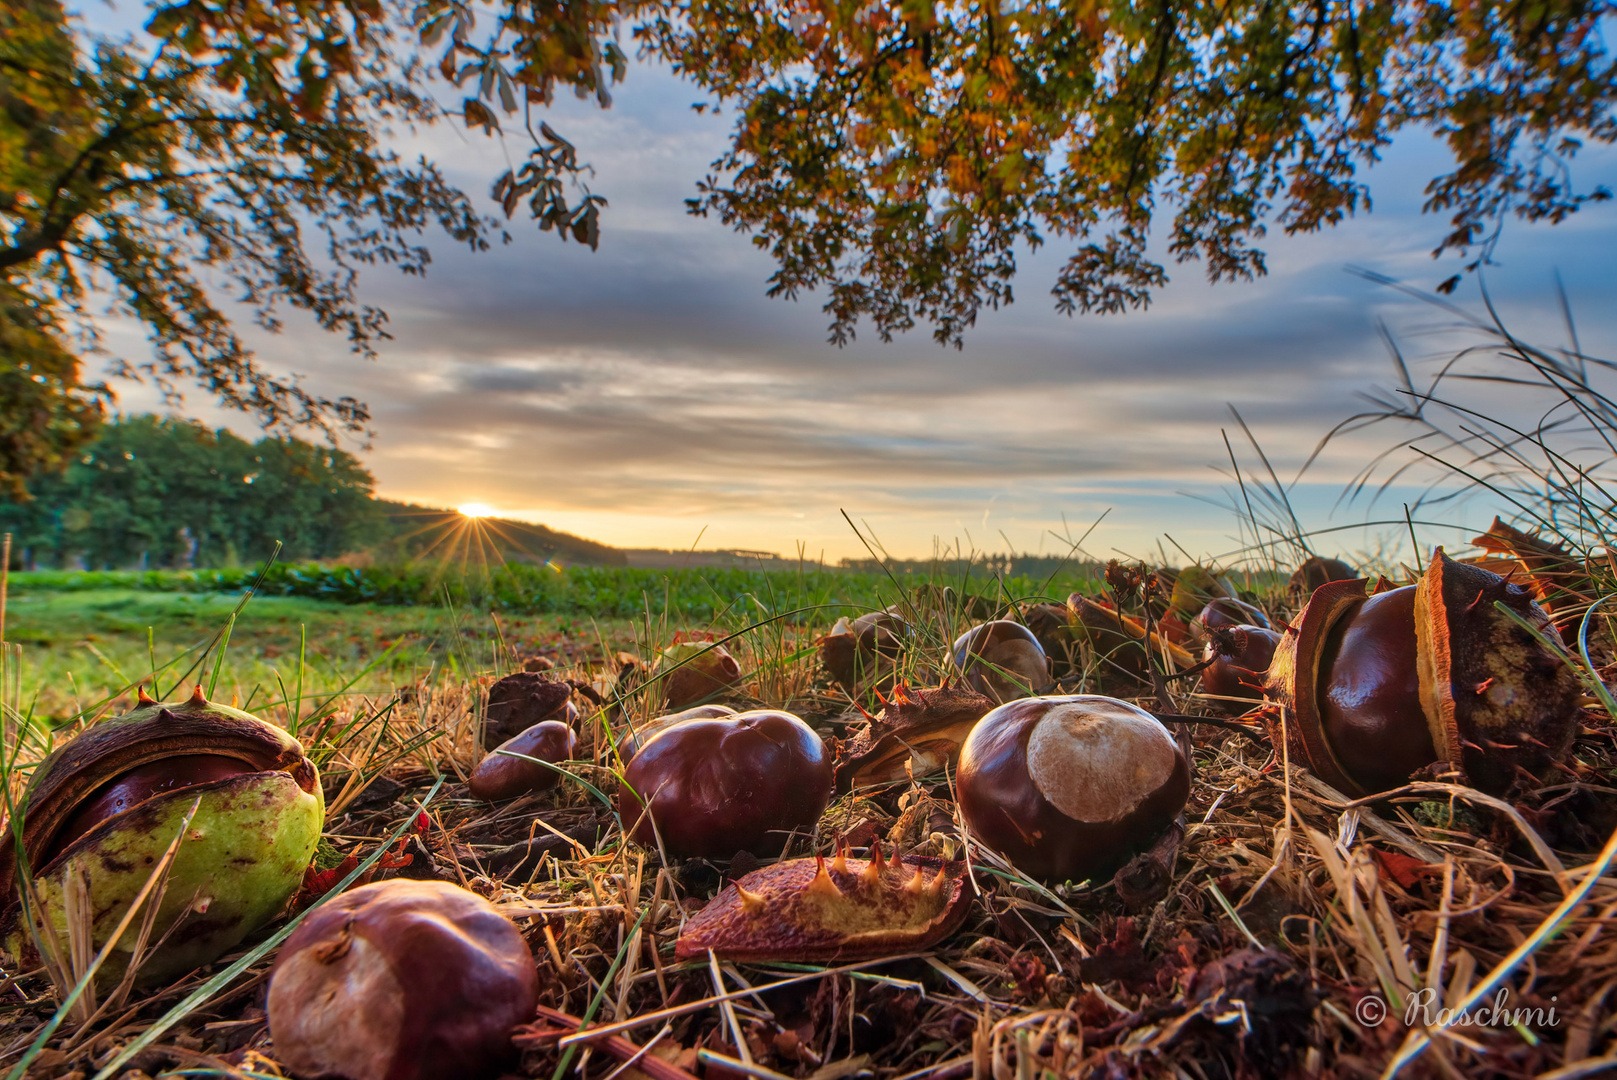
(649,394)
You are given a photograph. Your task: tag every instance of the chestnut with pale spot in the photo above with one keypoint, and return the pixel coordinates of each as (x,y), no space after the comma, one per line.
(1001,660)
(401,980)
(1068,788)
(734,783)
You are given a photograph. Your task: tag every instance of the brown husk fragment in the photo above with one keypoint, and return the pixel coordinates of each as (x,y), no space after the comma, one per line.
(815,911)
(1294,678)
(920,726)
(1553,573)
(519,701)
(1499,703)
(1117,640)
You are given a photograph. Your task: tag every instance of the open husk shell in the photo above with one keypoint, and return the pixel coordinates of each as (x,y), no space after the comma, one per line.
(1500,705)
(244,852)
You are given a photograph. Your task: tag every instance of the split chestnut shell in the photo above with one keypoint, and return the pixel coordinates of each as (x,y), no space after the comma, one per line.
(1378,687)
(734,783)
(401,980)
(1068,788)
(109,803)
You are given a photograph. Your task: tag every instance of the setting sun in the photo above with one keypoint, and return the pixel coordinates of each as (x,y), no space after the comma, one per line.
(476,510)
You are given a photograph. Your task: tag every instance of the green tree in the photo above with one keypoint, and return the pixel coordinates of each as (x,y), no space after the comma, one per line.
(161,493)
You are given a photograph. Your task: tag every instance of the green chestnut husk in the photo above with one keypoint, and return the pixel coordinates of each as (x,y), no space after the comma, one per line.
(243,856)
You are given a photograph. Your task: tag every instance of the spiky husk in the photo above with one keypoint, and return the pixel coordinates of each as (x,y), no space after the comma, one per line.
(243,855)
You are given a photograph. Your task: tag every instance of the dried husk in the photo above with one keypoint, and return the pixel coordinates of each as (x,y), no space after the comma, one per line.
(1500,704)
(812,911)
(1118,640)
(916,734)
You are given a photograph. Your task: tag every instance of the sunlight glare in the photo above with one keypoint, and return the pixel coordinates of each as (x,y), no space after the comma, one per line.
(476,510)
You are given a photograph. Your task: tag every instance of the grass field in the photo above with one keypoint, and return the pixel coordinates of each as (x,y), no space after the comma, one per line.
(79,648)
(88,636)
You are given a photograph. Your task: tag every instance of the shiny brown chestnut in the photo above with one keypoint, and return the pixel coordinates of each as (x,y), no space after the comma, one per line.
(864,652)
(1001,660)
(1240,658)
(735,783)
(521,700)
(632,739)
(139,784)
(1379,687)
(501,776)
(692,672)
(1068,788)
(1228,612)
(401,980)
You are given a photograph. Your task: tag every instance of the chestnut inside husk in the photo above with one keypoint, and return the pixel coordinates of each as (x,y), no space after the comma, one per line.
(109,802)
(1379,687)
(1001,660)
(736,783)
(1068,788)
(401,980)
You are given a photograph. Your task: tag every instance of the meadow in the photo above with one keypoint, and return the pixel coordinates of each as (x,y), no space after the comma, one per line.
(89,637)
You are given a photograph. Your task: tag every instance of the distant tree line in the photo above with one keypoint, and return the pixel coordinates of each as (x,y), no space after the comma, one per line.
(983,566)
(151,492)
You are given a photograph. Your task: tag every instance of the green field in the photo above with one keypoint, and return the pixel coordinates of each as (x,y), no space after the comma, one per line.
(88,636)
(79,648)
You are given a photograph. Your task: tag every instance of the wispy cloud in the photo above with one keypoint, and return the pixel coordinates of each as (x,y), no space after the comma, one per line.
(650,390)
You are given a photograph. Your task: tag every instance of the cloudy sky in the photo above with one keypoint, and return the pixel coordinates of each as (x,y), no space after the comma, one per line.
(650,394)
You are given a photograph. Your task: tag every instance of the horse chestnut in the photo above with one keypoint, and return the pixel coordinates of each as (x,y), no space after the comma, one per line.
(1240,657)
(735,783)
(1379,687)
(500,776)
(105,806)
(1068,788)
(695,671)
(401,980)
(864,651)
(1229,612)
(630,740)
(1001,660)
(521,700)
